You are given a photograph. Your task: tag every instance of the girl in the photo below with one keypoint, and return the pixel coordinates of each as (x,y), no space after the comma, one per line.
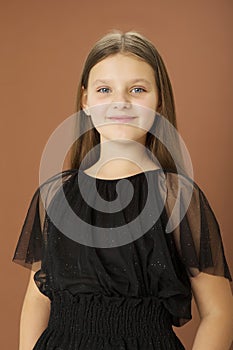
(128,293)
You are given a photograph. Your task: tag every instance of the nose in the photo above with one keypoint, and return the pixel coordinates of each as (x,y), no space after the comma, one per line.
(121,105)
(120,101)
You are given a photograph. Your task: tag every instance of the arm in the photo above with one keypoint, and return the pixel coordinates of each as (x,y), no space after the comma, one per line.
(34,315)
(214,301)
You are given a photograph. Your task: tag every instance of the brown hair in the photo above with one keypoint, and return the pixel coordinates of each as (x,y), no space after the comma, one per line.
(125,43)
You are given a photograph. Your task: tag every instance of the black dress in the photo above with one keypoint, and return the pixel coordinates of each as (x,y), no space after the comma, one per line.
(116,278)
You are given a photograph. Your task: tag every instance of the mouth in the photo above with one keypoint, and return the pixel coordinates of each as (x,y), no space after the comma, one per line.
(122,118)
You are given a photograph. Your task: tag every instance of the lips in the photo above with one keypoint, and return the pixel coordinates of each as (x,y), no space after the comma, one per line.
(122,118)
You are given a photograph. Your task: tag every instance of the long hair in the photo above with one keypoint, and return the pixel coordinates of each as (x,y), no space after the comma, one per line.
(135,44)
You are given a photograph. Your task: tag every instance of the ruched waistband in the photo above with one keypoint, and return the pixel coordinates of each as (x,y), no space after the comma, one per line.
(109,316)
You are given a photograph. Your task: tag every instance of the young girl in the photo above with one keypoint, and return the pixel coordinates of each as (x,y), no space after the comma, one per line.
(130,290)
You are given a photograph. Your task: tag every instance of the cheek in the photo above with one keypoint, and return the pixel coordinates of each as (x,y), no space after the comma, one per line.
(147,119)
(98,112)
(153,102)
(96,99)
(149,101)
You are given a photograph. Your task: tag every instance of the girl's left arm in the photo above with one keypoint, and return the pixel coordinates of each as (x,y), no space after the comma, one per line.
(214,301)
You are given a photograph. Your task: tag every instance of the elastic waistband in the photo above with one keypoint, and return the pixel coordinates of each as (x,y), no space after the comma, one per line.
(109,316)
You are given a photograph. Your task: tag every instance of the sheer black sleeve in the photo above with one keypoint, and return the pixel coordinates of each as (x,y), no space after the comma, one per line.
(198,235)
(30,243)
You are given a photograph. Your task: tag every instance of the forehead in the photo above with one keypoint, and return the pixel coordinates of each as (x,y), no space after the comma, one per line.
(124,66)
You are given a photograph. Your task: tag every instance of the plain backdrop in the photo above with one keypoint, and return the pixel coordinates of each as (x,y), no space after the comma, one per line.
(43,47)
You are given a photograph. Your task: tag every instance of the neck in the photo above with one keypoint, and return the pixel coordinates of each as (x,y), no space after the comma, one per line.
(118,158)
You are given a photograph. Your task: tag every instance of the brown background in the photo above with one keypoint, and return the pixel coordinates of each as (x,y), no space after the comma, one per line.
(43,46)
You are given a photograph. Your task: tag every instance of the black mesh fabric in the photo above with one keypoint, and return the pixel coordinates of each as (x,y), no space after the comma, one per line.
(148,276)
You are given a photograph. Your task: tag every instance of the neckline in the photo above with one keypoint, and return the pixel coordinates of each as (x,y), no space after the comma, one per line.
(121,178)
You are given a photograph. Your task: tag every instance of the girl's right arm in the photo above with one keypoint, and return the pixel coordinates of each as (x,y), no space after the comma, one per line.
(34,315)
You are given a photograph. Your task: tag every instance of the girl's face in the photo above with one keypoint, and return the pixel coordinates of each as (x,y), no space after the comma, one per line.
(121,86)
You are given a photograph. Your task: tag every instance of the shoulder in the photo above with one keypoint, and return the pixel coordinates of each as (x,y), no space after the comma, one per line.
(176,183)
(186,188)
(184,195)
(57,178)
(189,201)
(49,187)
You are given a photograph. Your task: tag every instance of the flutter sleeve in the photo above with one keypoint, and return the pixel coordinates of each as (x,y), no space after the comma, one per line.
(198,235)
(30,244)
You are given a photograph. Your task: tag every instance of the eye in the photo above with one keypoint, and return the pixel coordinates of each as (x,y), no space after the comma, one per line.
(104,90)
(138,90)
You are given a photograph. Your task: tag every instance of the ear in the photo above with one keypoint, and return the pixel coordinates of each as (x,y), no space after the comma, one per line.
(84,98)
(84,101)
(159,106)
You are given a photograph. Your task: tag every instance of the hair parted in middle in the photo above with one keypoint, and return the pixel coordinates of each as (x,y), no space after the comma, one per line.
(129,43)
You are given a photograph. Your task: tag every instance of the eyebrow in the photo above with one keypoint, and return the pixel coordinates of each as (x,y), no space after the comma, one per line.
(107,81)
